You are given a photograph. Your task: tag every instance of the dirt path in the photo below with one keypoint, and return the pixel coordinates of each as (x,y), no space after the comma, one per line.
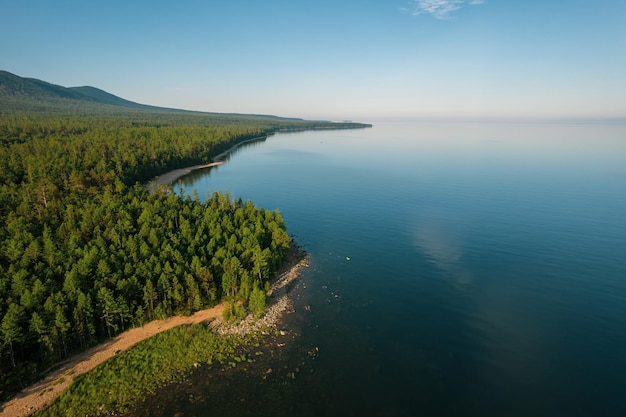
(43,392)
(38,395)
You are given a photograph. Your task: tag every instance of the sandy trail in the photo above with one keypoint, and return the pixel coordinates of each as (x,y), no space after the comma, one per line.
(43,392)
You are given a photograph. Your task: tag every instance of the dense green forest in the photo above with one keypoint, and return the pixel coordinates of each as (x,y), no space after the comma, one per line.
(87,252)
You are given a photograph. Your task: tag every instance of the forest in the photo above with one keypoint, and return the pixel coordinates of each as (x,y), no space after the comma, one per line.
(87,251)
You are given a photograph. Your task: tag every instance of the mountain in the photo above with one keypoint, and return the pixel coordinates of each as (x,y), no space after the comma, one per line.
(100,96)
(12,85)
(17,93)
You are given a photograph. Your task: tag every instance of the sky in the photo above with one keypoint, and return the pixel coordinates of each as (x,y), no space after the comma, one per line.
(332,59)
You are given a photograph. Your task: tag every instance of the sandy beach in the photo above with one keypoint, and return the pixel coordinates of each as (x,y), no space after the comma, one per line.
(43,392)
(172,176)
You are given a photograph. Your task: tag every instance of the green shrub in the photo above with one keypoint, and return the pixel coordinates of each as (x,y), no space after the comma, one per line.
(125,379)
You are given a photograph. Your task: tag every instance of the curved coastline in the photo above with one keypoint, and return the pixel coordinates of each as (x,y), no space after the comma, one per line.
(42,393)
(172,176)
(220,157)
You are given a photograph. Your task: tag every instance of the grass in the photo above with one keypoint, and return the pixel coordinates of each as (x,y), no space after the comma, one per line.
(125,379)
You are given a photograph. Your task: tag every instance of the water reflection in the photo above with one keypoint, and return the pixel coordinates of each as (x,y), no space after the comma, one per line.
(438,233)
(190,179)
(486,274)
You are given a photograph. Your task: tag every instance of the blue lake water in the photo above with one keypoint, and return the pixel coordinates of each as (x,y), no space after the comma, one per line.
(458,269)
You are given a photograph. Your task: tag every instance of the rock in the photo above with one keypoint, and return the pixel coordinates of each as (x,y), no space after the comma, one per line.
(314,353)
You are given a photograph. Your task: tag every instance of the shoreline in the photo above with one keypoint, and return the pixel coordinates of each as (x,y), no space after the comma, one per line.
(174,175)
(220,157)
(41,393)
(170,177)
(278,300)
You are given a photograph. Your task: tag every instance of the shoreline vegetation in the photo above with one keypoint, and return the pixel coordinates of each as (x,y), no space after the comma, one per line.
(89,252)
(170,177)
(174,175)
(43,393)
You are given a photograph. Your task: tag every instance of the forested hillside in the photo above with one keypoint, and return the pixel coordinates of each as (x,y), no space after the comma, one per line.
(86,251)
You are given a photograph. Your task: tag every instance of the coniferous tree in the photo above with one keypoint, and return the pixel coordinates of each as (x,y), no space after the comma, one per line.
(87,251)
(11,327)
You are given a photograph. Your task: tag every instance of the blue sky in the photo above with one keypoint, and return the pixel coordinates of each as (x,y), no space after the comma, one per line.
(339,59)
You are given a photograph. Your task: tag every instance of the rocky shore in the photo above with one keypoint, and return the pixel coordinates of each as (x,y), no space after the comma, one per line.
(278,301)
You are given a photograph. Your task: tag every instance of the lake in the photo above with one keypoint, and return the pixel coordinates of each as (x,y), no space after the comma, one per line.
(460,269)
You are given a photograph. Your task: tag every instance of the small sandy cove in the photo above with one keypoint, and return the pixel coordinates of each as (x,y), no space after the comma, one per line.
(43,392)
(170,177)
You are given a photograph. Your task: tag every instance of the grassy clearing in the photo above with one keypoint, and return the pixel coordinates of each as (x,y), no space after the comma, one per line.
(125,379)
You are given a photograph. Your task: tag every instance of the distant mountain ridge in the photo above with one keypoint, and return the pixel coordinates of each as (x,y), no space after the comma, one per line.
(103,97)
(30,94)
(23,92)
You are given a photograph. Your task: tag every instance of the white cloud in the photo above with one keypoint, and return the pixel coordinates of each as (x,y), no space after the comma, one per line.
(441,9)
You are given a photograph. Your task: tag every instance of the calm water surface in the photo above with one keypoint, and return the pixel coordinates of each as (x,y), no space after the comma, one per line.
(457,270)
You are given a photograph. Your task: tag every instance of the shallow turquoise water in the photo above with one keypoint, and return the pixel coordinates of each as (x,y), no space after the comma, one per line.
(457,269)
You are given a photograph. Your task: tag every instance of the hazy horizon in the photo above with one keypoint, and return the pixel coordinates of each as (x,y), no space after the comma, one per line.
(373,60)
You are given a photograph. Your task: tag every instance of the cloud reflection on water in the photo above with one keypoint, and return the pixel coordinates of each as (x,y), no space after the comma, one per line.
(438,232)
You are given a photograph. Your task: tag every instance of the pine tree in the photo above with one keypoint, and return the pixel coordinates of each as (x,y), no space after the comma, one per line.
(11,329)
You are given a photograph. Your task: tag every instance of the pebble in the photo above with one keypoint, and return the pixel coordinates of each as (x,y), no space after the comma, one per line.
(278,303)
